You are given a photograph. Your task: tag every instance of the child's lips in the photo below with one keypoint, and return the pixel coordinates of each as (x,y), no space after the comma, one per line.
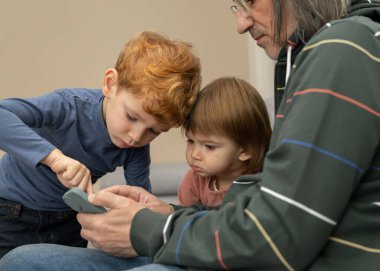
(125,145)
(197,169)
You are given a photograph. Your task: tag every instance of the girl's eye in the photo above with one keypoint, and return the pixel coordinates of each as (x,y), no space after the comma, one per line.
(210,147)
(189,141)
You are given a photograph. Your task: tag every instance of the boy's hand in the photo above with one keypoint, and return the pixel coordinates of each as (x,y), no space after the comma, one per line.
(70,172)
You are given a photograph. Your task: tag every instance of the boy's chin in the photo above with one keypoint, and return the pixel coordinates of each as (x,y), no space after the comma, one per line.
(121,144)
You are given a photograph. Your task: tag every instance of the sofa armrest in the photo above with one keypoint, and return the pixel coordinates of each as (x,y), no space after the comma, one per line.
(165,179)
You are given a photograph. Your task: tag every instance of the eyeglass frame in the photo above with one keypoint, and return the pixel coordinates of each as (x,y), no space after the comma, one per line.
(241,7)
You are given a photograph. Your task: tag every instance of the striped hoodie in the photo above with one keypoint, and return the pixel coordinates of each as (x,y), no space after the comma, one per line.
(316,205)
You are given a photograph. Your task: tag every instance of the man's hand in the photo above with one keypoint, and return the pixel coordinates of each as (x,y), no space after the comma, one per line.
(110,231)
(70,172)
(142,196)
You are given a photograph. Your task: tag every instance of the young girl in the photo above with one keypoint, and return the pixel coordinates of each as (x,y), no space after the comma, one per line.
(72,137)
(228,134)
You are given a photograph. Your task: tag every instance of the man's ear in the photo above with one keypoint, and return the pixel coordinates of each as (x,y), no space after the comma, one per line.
(244,156)
(110,82)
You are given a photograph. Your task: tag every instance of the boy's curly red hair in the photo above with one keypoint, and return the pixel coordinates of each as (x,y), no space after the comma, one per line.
(164,72)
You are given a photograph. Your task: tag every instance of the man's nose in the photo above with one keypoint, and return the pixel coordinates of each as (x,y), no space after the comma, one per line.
(243,23)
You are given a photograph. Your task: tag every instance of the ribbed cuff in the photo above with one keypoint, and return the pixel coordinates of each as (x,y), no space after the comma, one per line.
(147,232)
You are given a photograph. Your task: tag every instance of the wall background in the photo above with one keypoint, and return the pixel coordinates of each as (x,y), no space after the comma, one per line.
(49,44)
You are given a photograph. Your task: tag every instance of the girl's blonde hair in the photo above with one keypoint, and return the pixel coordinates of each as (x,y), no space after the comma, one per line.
(164,72)
(233,108)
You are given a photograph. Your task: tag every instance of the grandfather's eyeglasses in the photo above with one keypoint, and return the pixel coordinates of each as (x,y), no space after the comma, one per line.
(242,7)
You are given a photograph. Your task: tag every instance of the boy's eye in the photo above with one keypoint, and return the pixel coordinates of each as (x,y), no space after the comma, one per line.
(131,118)
(154,132)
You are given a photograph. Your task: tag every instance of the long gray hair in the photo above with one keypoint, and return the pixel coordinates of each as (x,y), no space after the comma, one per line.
(309,15)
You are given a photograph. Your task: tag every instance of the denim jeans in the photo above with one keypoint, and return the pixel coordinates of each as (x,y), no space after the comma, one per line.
(49,257)
(158,267)
(20,225)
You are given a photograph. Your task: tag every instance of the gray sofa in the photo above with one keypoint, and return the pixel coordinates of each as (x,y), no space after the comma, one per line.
(165,179)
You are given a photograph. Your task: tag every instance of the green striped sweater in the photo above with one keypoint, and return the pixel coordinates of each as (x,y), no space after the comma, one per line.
(316,205)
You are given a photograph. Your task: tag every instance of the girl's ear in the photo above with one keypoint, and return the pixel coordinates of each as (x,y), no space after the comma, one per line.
(244,156)
(110,82)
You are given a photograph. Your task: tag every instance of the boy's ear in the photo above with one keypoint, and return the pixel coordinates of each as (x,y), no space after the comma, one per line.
(244,156)
(110,82)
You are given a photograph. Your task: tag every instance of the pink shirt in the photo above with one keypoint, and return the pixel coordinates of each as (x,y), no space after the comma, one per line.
(198,189)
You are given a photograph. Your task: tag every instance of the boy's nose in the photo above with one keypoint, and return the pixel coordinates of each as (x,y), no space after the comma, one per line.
(136,136)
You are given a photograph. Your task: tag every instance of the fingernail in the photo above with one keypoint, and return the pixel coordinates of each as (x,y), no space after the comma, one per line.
(91,197)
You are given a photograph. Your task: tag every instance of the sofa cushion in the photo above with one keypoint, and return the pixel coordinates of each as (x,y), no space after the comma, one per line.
(165,179)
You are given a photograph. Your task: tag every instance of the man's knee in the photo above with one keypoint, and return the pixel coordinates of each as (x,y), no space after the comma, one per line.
(16,259)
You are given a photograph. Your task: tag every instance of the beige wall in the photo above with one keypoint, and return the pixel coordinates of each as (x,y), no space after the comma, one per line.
(49,44)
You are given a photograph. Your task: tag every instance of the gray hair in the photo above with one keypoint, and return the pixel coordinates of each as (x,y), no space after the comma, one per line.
(309,15)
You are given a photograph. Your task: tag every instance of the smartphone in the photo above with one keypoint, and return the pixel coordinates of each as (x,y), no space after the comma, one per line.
(77,199)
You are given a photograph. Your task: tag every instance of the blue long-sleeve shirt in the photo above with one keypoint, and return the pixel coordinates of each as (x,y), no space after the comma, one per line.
(70,120)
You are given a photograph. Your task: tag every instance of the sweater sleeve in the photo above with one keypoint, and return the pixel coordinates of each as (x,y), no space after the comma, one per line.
(325,141)
(21,117)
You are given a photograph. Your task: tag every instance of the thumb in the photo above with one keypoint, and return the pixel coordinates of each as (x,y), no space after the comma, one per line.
(109,200)
(87,186)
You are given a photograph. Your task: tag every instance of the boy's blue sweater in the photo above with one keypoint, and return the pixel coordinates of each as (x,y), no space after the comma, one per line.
(70,120)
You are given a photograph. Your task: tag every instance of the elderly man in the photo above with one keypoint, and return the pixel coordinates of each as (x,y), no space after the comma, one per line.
(315,206)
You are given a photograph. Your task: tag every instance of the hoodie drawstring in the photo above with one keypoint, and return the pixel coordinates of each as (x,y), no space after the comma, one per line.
(288,63)
(291,45)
